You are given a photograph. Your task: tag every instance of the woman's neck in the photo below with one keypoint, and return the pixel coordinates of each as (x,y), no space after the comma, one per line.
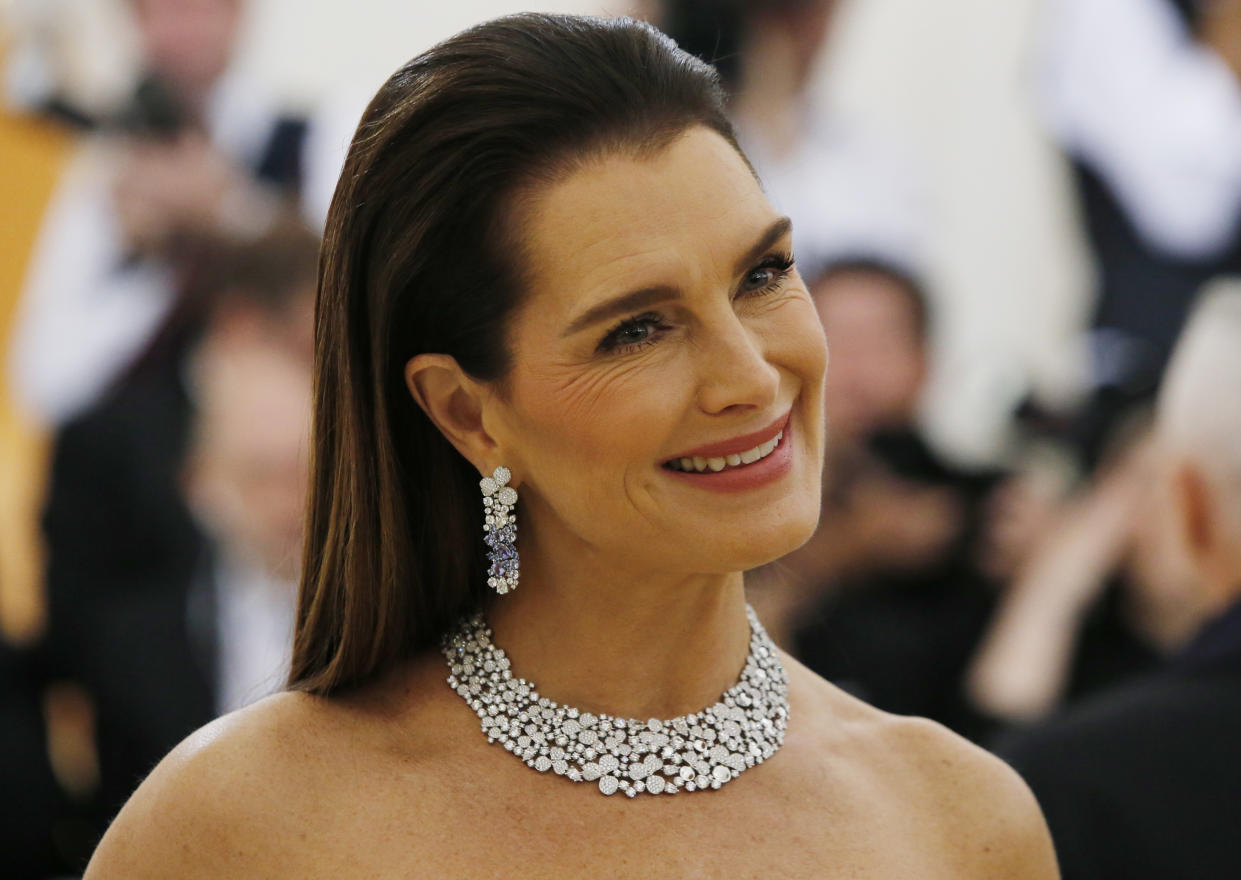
(623,642)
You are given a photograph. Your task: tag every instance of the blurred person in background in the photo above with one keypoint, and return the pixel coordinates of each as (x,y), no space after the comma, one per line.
(33,805)
(1143,781)
(203,431)
(851,190)
(246,482)
(199,150)
(1096,595)
(886,599)
(1144,96)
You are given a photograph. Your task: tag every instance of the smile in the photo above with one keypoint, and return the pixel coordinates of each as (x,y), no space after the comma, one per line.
(739,452)
(699,464)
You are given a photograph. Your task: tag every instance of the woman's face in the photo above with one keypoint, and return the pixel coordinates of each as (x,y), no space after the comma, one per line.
(664,316)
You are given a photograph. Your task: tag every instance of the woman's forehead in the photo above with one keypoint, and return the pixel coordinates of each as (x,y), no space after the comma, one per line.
(690,206)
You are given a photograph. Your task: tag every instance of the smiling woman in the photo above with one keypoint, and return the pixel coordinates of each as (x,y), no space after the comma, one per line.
(548,265)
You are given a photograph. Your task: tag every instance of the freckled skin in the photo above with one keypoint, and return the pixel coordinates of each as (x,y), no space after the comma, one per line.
(728,363)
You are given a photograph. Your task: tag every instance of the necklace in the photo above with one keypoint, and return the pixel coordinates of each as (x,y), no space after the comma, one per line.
(704,750)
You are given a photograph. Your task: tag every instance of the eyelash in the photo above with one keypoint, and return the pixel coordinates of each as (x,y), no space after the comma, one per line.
(778,264)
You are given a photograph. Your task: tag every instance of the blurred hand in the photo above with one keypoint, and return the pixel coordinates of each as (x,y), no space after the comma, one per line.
(901,524)
(185,185)
(1023,663)
(1018,517)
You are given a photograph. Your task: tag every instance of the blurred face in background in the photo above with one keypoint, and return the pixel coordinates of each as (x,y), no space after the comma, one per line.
(188,43)
(879,359)
(249,479)
(248,468)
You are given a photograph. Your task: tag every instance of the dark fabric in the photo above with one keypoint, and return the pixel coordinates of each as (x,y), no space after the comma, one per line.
(1217,647)
(123,553)
(901,640)
(1108,652)
(903,644)
(281,164)
(1144,293)
(1143,782)
(1189,10)
(34,813)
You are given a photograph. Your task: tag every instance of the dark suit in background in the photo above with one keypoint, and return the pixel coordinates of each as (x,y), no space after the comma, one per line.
(1145,782)
(129,618)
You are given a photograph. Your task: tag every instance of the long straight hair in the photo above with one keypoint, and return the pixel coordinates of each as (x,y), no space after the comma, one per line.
(420,255)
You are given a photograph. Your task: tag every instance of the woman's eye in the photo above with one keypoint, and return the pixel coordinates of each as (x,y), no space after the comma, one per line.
(760,277)
(640,331)
(632,333)
(768,274)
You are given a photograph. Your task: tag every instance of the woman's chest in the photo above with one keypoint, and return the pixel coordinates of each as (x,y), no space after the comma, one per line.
(547,831)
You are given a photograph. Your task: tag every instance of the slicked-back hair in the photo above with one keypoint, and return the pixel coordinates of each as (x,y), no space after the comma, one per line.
(421,254)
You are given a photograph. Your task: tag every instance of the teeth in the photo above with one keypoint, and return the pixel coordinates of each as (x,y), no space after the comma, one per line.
(702,465)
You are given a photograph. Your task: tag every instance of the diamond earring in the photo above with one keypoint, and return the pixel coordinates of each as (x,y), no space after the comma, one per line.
(500,530)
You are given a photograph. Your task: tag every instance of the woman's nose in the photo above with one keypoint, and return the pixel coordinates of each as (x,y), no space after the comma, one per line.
(734,372)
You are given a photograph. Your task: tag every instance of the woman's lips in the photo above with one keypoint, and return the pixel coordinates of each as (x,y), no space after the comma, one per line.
(734,478)
(737,445)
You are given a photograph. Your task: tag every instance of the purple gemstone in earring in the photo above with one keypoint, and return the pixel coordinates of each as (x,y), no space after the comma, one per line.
(500,530)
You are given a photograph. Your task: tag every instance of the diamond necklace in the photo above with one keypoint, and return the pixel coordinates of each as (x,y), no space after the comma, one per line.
(703,750)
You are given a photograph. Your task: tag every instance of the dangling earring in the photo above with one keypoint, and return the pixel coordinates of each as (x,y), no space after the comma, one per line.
(500,530)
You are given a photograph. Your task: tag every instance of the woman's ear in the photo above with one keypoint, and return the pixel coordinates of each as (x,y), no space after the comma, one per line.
(454,403)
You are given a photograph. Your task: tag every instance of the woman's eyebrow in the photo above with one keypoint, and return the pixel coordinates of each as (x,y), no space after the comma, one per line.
(773,233)
(628,302)
(648,296)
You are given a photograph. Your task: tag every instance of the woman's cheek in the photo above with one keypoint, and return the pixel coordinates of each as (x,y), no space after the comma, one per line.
(795,337)
(581,408)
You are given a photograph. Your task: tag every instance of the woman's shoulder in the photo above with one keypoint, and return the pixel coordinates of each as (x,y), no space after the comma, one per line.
(963,795)
(214,805)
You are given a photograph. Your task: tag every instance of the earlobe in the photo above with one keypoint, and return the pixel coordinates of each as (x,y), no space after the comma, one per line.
(453,402)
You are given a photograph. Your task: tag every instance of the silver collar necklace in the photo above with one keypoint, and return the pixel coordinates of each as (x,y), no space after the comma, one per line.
(689,753)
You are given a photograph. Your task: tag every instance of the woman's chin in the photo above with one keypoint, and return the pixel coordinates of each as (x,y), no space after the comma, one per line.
(758,547)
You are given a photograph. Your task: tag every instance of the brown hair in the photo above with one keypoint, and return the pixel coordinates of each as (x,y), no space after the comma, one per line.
(419,257)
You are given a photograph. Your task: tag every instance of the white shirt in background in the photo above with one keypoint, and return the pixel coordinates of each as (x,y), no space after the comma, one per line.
(254,629)
(1127,90)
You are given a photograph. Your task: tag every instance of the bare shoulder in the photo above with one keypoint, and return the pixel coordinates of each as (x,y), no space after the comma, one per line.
(208,809)
(980,809)
(983,805)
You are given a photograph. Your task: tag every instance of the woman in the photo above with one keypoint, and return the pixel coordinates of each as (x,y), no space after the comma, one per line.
(548,257)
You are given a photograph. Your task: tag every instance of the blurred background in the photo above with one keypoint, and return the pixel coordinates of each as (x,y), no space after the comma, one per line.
(1005,213)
